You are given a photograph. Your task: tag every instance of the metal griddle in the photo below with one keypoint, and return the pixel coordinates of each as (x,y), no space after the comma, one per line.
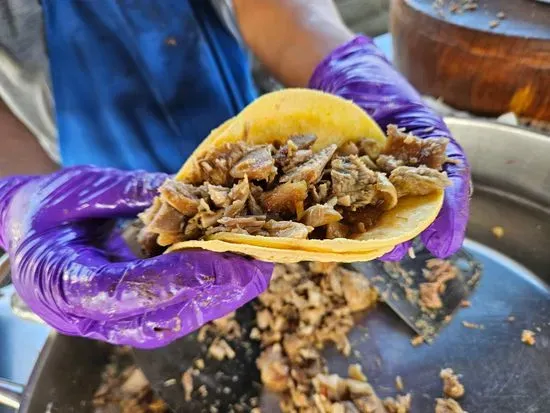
(501,374)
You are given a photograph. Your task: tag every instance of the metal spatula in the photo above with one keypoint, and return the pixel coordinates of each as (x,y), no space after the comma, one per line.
(398,284)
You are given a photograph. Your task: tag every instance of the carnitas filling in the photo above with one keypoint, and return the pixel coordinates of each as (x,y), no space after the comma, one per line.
(289,190)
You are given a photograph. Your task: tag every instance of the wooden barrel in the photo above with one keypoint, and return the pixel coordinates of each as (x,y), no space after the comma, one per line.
(489,58)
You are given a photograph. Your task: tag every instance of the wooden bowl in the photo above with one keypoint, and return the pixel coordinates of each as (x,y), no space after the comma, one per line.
(475,60)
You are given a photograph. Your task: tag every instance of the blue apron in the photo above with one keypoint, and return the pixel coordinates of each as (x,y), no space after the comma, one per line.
(139,83)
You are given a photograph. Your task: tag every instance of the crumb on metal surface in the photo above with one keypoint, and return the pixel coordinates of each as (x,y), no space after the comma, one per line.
(528,337)
(494,23)
(355,372)
(187,383)
(465,304)
(451,384)
(416,341)
(498,231)
(474,326)
(399,383)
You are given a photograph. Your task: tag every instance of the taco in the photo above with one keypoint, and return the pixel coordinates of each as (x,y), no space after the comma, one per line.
(301,170)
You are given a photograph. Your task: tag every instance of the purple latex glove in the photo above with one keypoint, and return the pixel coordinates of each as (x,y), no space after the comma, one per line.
(75,272)
(358,71)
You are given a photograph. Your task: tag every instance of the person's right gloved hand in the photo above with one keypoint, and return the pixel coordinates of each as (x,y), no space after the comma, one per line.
(77,274)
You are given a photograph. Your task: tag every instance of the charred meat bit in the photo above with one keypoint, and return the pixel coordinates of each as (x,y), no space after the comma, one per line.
(312,170)
(294,152)
(413,151)
(287,229)
(320,215)
(258,164)
(362,219)
(287,198)
(414,181)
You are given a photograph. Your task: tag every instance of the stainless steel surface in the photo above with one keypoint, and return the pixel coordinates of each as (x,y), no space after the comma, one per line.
(21,310)
(10,394)
(395,281)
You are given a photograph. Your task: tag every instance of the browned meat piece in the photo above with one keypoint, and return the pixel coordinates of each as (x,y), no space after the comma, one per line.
(420,180)
(451,384)
(441,271)
(386,192)
(147,216)
(257,164)
(219,195)
(319,215)
(287,229)
(414,151)
(319,193)
(448,406)
(369,147)
(250,224)
(303,141)
(253,203)
(287,198)
(166,219)
(352,181)
(312,170)
(358,292)
(429,295)
(166,238)
(369,162)
(348,148)
(401,404)
(333,387)
(182,197)
(238,197)
(274,369)
(217,163)
(294,152)
(362,219)
(388,163)
(337,230)
(147,241)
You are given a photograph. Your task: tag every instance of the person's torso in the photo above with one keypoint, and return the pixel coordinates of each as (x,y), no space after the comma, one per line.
(137,84)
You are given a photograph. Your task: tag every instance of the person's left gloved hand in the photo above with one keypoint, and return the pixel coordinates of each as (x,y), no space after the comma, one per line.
(358,71)
(75,272)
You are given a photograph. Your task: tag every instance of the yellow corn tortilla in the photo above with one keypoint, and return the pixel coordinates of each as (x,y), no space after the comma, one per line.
(280,115)
(280,255)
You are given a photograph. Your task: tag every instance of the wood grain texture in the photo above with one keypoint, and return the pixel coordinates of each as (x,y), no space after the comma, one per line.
(473,67)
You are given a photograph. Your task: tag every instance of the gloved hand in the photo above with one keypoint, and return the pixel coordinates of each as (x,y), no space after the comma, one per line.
(358,71)
(74,271)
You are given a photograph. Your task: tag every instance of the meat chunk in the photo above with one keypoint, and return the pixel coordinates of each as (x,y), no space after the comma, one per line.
(183,197)
(358,292)
(147,216)
(385,192)
(448,406)
(451,384)
(312,170)
(429,295)
(258,164)
(348,148)
(294,152)
(353,183)
(362,219)
(250,225)
(166,219)
(238,197)
(369,147)
(274,369)
(287,198)
(320,215)
(414,181)
(217,163)
(287,229)
(337,230)
(414,151)
(401,404)
(219,195)
(320,192)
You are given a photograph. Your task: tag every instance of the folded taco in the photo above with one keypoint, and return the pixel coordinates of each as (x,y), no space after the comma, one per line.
(301,175)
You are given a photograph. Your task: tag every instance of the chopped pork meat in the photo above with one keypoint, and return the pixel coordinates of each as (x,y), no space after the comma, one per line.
(452,387)
(258,164)
(352,182)
(320,215)
(287,229)
(414,181)
(183,197)
(448,406)
(334,192)
(413,151)
(216,165)
(312,170)
(287,198)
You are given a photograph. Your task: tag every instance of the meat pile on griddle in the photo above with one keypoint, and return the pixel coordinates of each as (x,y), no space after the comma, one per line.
(288,190)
